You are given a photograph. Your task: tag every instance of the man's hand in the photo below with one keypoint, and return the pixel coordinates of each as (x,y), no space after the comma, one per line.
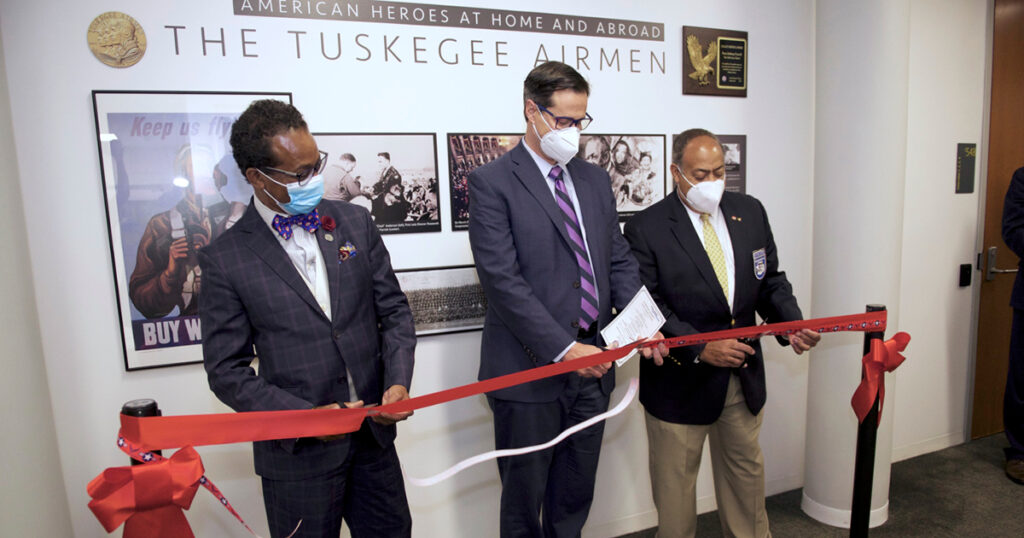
(726,353)
(657,353)
(336,406)
(395,393)
(578,351)
(804,340)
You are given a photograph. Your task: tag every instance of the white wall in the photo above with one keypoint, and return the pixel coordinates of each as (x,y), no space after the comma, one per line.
(50,81)
(949,41)
(29,462)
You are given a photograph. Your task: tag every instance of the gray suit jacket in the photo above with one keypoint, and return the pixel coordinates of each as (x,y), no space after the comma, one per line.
(253,303)
(529,272)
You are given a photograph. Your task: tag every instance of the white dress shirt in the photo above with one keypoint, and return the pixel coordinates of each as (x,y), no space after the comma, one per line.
(304,252)
(717,220)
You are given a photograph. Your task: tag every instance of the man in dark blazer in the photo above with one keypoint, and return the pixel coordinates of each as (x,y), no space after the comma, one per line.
(311,292)
(709,261)
(552,262)
(1013,400)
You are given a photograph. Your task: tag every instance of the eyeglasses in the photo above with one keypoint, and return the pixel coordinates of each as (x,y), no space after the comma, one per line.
(564,122)
(303,177)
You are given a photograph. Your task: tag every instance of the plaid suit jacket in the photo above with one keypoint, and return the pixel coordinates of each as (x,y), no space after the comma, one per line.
(253,303)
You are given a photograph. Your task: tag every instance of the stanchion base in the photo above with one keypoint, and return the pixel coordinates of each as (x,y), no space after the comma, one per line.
(838,517)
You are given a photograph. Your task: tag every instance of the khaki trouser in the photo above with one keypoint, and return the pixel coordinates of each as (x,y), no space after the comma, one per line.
(736,462)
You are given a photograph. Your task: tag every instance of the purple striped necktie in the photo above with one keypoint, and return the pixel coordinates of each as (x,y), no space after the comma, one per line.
(588,299)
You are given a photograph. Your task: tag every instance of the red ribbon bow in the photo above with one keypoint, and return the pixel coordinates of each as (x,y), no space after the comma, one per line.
(149,499)
(883,357)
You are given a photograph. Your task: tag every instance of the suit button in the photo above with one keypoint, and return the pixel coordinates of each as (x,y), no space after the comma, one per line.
(576,284)
(575,324)
(732,323)
(336,333)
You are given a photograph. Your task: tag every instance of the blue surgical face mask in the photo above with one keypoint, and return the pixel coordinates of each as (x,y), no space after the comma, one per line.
(302,198)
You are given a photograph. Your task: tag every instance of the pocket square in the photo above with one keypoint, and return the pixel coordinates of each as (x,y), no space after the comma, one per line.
(346,251)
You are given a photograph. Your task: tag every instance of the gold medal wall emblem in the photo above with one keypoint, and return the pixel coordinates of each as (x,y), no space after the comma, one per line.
(116,39)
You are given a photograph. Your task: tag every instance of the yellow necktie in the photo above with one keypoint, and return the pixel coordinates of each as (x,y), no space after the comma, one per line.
(714,250)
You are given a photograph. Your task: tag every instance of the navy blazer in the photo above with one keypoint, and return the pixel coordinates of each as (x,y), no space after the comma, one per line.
(676,269)
(253,303)
(529,272)
(1013,232)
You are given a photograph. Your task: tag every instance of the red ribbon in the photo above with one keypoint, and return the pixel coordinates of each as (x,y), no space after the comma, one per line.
(152,433)
(196,430)
(883,357)
(149,499)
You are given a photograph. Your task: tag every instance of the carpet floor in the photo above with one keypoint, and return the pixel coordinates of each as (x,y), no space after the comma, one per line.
(957,492)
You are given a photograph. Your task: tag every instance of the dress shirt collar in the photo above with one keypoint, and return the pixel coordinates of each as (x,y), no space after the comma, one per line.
(266,213)
(544,166)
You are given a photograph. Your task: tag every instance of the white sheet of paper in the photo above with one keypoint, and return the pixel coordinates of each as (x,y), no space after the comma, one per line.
(640,319)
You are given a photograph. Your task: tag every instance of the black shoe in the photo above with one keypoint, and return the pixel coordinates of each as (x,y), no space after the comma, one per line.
(1015,470)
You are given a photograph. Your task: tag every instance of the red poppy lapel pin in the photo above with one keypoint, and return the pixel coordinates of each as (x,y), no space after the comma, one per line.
(328,224)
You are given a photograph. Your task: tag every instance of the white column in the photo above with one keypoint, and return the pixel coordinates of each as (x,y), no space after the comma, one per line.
(34,500)
(861,83)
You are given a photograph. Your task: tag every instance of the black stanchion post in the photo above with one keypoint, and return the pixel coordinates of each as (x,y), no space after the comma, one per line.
(141,408)
(864,465)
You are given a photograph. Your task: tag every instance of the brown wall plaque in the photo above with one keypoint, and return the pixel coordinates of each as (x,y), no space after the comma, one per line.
(714,62)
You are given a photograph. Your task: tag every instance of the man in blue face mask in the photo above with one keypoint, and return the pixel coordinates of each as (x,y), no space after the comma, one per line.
(545,237)
(307,286)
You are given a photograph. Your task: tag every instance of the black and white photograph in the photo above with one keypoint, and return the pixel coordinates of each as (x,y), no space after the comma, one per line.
(172,186)
(393,175)
(635,163)
(444,299)
(466,151)
(735,148)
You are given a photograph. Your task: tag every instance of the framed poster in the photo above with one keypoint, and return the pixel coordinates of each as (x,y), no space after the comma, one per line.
(636,164)
(444,299)
(170,186)
(394,175)
(466,151)
(735,148)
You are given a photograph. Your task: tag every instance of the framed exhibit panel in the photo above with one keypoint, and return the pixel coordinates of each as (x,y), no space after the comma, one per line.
(634,162)
(466,151)
(393,175)
(170,186)
(735,148)
(444,299)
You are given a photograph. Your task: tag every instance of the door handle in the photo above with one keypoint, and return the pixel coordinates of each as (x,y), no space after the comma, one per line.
(990,267)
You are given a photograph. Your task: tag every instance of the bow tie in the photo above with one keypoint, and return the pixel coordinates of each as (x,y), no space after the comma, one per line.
(309,222)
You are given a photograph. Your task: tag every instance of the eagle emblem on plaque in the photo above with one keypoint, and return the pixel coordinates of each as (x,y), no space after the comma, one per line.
(702,63)
(760,264)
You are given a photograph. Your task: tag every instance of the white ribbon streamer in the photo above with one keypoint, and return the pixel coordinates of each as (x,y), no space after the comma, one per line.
(634,384)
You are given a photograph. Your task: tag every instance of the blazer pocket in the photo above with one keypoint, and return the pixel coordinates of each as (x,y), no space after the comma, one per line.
(298,390)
